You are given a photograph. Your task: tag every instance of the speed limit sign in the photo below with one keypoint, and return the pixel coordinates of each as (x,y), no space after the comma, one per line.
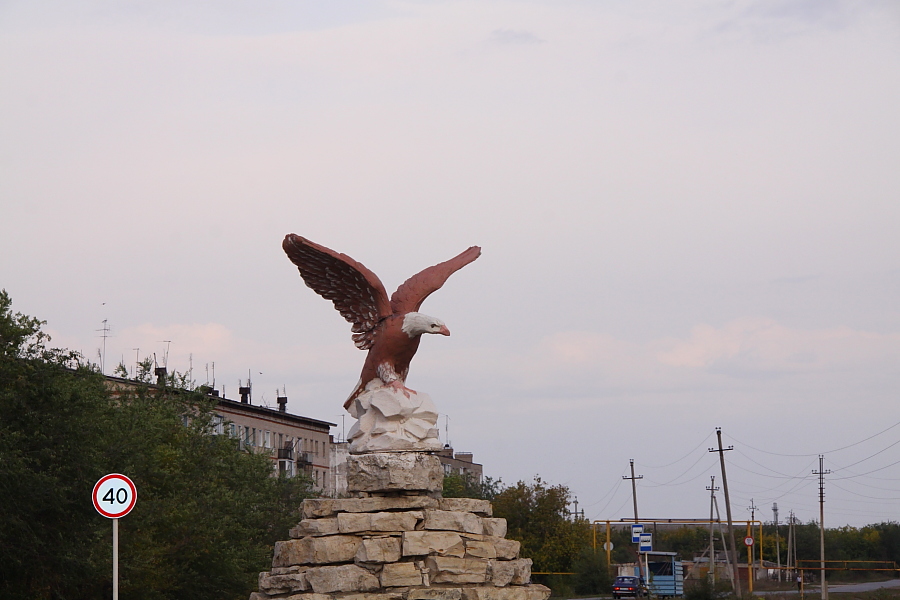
(748,541)
(114,495)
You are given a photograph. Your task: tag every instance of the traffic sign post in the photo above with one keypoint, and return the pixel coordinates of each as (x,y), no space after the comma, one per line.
(636,531)
(748,541)
(646,542)
(114,496)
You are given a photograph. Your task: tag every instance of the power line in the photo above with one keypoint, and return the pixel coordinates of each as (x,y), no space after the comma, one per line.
(816,453)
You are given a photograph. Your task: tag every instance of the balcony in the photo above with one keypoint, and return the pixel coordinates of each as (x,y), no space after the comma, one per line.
(304,458)
(285,453)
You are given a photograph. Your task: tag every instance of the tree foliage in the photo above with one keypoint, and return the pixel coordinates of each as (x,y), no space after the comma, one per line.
(206,516)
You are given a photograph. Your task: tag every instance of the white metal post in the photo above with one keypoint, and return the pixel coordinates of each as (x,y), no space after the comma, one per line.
(115,559)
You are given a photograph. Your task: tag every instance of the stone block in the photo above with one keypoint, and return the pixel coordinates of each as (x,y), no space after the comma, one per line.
(383,503)
(315,508)
(309,596)
(259,596)
(379,550)
(398,595)
(314,527)
(381,521)
(451,520)
(480,549)
(509,572)
(287,570)
(435,594)
(444,543)
(524,592)
(507,549)
(448,569)
(473,505)
(282,584)
(495,527)
(400,574)
(316,550)
(341,578)
(386,472)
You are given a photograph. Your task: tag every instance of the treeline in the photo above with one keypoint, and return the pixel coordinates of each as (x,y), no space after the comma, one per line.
(878,542)
(207,514)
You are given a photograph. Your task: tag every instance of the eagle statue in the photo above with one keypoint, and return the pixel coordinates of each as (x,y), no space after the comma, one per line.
(389,329)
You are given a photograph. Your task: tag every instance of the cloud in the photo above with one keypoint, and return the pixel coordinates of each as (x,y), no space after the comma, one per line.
(510,36)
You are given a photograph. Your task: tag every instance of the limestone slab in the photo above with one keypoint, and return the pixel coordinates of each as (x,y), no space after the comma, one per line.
(395,595)
(381,521)
(444,543)
(316,550)
(318,508)
(309,596)
(448,569)
(473,505)
(341,578)
(453,520)
(509,572)
(379,550)
(480,549)
(495,527)
(282,584)
(315,527)
(435,594)
(400,574)
(394,471)
(523,592)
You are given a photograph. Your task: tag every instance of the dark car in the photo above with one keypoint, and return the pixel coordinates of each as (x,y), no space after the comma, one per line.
(627,586)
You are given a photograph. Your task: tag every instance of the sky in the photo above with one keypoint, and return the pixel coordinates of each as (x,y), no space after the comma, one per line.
(689,217)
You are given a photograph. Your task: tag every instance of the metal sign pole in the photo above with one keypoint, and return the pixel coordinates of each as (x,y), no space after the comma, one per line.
(115,559)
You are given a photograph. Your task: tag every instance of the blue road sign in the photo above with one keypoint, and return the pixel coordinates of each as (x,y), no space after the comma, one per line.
(646,542)
(636,531)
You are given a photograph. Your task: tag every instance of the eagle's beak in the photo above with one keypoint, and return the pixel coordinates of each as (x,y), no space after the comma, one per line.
(444,330)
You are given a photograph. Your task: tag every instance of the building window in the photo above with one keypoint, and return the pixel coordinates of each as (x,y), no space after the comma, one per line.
(281,440)
(267,440)
(232,430)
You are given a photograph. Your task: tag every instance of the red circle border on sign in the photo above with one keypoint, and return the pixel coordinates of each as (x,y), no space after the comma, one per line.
(130,506)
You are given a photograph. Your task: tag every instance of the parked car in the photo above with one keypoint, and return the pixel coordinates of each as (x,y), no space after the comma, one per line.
(627,586)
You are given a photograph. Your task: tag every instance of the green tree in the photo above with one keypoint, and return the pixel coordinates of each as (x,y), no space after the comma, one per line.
(537,516)
(458,485)
(207,514)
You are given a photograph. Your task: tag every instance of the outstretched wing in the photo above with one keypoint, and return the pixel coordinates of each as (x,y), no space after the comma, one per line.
(356,291)
(410,295)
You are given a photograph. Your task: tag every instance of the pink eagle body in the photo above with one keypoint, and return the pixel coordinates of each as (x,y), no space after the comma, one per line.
(389,329)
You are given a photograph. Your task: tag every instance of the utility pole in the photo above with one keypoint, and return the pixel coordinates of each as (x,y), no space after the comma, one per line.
(712,546)
(752,508)
(790,543)
(822,473)
(734,579)
(634,497)
(777,541)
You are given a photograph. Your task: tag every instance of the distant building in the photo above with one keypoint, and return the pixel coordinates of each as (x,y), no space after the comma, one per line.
(297,445)
(461,463)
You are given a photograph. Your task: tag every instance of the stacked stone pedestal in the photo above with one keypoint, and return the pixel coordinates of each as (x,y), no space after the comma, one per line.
(398,540)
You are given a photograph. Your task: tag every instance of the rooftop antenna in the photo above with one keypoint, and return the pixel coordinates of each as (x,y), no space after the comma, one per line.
(214,378)
(207,373)
(105,330)
(191,367)
(447,443)
(137,352)
(168,343)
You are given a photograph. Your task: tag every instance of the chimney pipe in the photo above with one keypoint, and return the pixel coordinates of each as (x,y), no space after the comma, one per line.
(282,403)
(245,395)
(160,376)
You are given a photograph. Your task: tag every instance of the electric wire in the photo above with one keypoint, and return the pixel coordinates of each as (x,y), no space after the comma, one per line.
(817,453)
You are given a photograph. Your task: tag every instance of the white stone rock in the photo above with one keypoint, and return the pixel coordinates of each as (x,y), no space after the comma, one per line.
(495,527)
(448,569)
(379,550)
(444,543)
(435,594)
(391,472)
(451,520)
(314,527)
(506,572)
(400,574)
(473,505)
(341,578)
(480,549)
(282,584)
(388,421)
(525,592)
(383,521)
(316,550)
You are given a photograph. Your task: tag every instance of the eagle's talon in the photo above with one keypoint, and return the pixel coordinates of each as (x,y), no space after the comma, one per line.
(398,385)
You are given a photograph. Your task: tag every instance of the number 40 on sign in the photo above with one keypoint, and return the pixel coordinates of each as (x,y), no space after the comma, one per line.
(114,495)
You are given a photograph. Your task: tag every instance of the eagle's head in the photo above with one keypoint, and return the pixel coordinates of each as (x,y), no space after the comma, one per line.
(416,324)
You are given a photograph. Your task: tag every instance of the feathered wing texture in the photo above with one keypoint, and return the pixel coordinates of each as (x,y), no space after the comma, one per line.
(356,292)
(410,295)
